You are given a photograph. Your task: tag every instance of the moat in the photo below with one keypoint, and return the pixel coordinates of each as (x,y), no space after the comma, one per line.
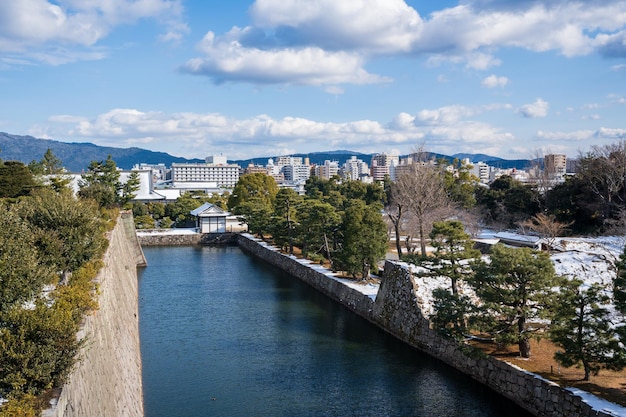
(224,334)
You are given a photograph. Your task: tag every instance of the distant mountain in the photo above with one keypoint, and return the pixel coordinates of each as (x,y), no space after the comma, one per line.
(317,158)
(476,157)
(77,156)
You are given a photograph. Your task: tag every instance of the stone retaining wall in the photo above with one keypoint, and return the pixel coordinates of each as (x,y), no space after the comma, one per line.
(349,297)
(396,310)
(168,239)
(107,382)
(160,238)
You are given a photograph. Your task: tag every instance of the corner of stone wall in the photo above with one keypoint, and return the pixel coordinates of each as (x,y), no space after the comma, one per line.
(398,312)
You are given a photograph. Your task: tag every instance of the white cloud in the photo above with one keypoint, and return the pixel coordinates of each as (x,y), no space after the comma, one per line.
(534,110)
(192,134)
(470,33)
(225,59)
(494,81)
(381,26)
(609,134)
(59,31)
(574,136)
(444,115)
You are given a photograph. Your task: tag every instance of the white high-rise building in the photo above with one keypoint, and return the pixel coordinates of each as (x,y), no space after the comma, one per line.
(328,170)
(217,173)
(355,169)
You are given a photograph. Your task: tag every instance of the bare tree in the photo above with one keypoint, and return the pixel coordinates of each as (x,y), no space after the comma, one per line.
(604,170)
(395,210)
(421,189)
(546,226)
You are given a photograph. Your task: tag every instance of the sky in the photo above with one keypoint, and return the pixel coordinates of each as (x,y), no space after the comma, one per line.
(246,79)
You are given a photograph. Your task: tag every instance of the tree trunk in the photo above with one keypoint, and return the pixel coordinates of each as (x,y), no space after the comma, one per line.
(366,271)
(587,371)
(398,244)
(524,348)
(422,238)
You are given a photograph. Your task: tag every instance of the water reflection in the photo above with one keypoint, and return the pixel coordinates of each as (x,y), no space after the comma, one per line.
(223,334)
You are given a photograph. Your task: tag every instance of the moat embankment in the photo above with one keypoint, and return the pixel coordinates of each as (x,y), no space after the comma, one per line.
(107,381)
(396,310)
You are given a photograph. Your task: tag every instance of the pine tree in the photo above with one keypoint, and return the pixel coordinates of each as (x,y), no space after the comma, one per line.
(515,288)
(581,327)
(365,238)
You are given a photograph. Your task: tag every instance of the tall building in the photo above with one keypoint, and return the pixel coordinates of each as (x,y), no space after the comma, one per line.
(296,173)
(293,169)
(328,170)
(216,172)
(555,166)
(483,172)
(355,169)
(383,165)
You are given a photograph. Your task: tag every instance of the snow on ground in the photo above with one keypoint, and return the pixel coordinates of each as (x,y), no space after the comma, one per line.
(367,288)
(589,259)
(599,404)
(173,231)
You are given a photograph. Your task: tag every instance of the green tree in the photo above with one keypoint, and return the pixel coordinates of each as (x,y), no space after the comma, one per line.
(358,190)
(22,273)
(507,201)
(51,164)
(180,210)
(144,222)
(581,326)
(258,186)
(573,203)
(451,311)
(318,222)
(619,295)
(364,240)
(515,287)
(16,180)
(460,184)
(256,212)
(101,183)
(316,187)
(67,231)
(129,189)
(285,218)
(37,348)
(453,251)
(452,258)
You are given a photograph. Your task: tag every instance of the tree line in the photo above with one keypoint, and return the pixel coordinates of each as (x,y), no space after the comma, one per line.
(51,246)
(340,222)
(431,209)
(515,293)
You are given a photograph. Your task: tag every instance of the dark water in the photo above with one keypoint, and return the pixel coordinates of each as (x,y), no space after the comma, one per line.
(223,334)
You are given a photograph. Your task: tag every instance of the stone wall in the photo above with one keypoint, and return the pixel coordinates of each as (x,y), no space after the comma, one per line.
(107,380)
(349,297)
(170,238)
(396,310)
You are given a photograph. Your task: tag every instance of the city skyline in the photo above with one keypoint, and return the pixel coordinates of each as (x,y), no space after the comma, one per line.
(247,78)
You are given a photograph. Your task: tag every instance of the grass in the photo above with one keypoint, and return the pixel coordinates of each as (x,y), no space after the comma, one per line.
(610,385)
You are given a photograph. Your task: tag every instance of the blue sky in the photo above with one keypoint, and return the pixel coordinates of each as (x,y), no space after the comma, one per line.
(247,79)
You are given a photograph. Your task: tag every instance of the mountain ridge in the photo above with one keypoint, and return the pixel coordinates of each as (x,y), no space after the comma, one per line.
(76,156)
